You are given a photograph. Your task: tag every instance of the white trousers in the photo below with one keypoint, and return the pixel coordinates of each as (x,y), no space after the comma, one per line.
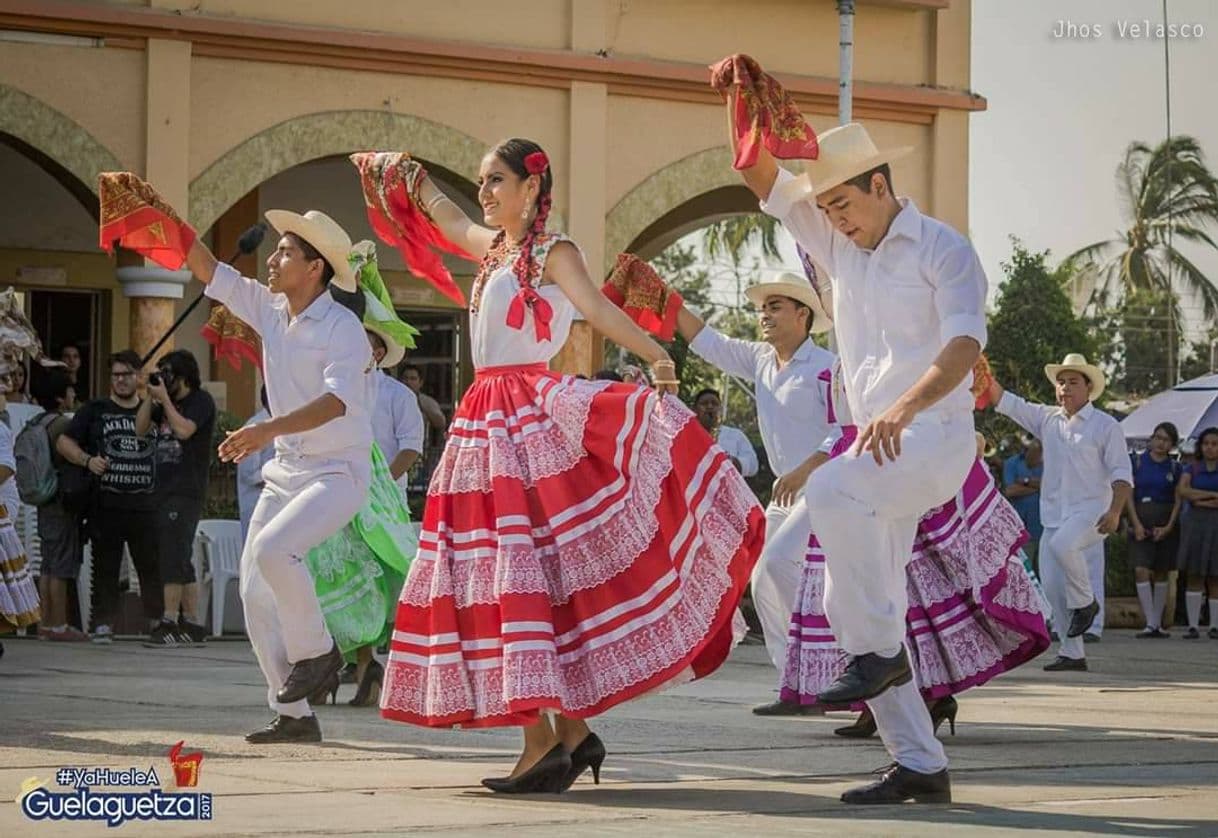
(1065,573)
(305,501)
(865,516)
(1095,558)
(777,574)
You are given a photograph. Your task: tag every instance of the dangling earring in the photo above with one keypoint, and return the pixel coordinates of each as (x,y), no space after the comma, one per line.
(524,214)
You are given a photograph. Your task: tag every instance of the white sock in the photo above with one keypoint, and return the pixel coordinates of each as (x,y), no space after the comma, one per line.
(1146,600)
(889,653)
(1192,602)
(1160,603)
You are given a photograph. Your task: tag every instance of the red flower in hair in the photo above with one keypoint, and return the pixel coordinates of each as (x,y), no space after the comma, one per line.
(536,162)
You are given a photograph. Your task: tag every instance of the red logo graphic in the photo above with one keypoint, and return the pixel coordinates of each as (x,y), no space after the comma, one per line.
(185,766)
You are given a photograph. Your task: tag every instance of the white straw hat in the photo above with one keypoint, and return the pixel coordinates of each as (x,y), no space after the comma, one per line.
(323,232)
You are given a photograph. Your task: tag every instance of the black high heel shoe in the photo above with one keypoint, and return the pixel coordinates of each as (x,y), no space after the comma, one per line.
(547,775)
(944,708)
(863,727)
(369,692)
(587,754)
(329,688)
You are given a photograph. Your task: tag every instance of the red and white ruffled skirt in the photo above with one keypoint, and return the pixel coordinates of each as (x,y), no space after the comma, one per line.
(584,543)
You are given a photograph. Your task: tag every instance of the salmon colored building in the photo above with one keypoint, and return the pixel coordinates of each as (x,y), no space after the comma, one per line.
(231,107)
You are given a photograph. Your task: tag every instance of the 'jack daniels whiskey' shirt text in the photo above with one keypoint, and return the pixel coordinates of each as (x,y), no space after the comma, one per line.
(106,429)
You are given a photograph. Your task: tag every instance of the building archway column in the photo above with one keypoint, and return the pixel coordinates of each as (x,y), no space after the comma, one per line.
(151,293)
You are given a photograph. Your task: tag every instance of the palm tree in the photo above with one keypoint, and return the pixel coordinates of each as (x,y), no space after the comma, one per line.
(1167,195)
(730,236)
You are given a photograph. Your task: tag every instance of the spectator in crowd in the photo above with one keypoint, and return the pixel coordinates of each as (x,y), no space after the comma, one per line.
(180,417)
(101,438)
(1199,543)
(607,375)
(412,377)
(17,386)
(1021,474)
(397,421)
(1153,510)
(59,528)
(708,407)
(72,358)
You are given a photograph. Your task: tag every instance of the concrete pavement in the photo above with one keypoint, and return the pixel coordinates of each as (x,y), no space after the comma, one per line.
(1130,748)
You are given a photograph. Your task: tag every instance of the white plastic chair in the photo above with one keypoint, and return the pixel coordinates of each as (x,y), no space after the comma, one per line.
(222,543)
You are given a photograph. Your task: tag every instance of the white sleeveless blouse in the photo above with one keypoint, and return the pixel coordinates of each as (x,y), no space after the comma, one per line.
(493,341)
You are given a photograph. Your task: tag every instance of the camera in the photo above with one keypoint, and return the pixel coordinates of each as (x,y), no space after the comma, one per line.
(154,378)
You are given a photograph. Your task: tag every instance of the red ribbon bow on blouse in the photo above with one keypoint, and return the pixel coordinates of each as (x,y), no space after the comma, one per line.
(543,312)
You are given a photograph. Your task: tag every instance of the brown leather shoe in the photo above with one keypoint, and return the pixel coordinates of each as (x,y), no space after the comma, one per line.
(307,676)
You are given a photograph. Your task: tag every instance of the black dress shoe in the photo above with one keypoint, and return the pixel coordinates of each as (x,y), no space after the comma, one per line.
(1082,618)
(899,784)
(867,676)
(307,676)
(548,774)
(287,729)
(786,708)
(863,728)
(1065,664)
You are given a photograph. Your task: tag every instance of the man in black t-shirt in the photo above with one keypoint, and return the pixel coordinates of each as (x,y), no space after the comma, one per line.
(102,439)
(179,415)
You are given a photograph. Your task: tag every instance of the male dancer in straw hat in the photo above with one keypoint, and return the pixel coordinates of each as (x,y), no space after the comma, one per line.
(909,313)
(1087,482)
(784,369)
(318,370)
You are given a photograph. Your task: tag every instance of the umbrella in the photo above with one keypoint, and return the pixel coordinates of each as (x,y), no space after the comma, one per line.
(1191,406)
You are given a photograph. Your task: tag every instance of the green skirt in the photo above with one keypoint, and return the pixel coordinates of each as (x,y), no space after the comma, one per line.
(358,572)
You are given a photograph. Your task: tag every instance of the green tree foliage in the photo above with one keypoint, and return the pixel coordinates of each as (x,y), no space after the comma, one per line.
(1032,325)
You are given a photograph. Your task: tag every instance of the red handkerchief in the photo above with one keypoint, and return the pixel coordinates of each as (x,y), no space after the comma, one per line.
(765,114)
(136,217)
(635,288)
(390,181)
(232,338)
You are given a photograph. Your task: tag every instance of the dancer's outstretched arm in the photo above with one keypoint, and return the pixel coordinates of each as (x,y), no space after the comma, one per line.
(456,226)
(566,269)
(759,177)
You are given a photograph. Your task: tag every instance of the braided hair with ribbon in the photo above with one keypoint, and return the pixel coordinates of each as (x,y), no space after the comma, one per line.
(526,159)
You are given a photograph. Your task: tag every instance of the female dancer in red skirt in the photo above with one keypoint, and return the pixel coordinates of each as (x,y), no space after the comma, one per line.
(584,542)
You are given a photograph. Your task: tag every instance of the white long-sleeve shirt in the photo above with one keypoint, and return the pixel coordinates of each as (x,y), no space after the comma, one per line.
(792,402)
(321,350)
(737,445)
(894,307)
(1084,455)
(397,422)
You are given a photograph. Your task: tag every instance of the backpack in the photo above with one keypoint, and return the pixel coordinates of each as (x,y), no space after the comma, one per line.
(37,478)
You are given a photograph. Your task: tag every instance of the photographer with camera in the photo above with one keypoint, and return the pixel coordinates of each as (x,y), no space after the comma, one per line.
(180,415)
